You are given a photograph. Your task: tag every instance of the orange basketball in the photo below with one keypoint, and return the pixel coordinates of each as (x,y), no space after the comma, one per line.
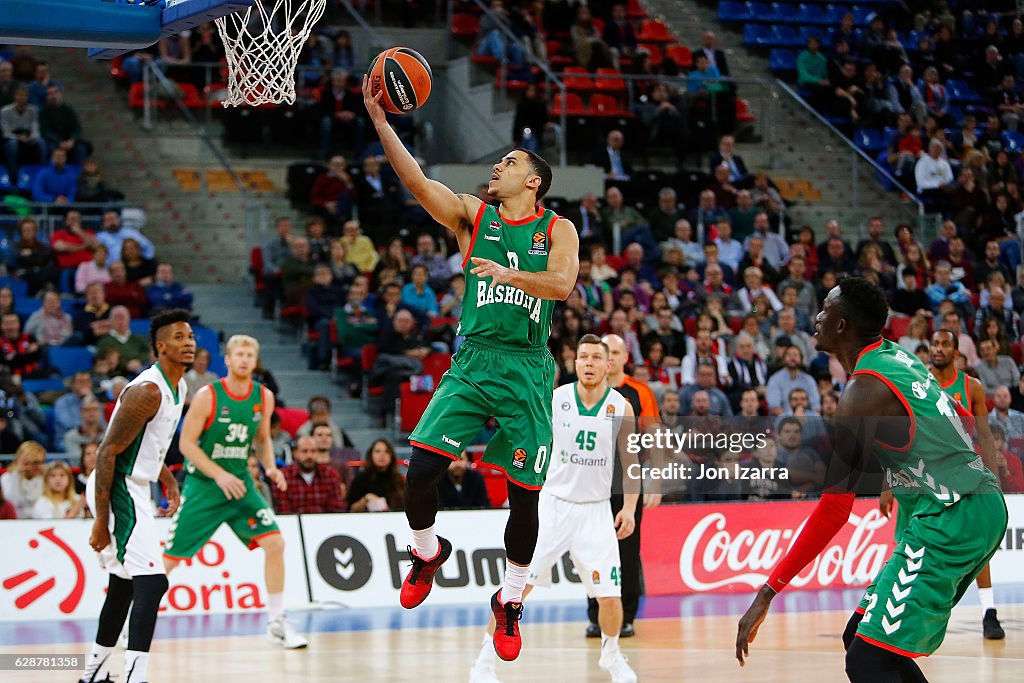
(405,78)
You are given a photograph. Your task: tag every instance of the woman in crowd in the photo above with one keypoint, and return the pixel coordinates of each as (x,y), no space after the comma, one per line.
(379,486)
(917,333)
(93,271)
(58,499)
(199,374)
(914,260)
(137,269)
(23,482)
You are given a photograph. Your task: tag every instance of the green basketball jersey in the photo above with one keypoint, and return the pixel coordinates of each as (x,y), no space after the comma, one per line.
(231,428)
(959,390)
(503,313)
(939,464)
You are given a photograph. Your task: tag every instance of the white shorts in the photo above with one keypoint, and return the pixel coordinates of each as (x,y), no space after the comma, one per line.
(587,532)
(134,548)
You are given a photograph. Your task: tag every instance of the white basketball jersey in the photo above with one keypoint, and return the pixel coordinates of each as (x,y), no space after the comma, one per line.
(583,453)
(143,459)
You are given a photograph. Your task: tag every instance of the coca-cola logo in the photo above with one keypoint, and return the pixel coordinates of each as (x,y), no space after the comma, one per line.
(713,556)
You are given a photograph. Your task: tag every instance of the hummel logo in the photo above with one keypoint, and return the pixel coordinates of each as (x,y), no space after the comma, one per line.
(492,238)
(343,563)
(451,442)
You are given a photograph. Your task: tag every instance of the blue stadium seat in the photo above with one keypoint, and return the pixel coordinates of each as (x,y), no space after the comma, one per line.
(806,32)
(18,287)
(869,139)
(733,11)
(834,15)
(756,35)
(813,14)
(6,186)
(760,12)
(35,386)
(69,359)
(862,14)
(57,440)
(961,92)
(785,13)
(27,305)
(782,61)
(1014,141)
(27,175)
(140,326)
(784,36)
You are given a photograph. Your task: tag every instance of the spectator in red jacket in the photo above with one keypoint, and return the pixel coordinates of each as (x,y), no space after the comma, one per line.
(18,350)
(333,193)
(312,488)
(72,245)
(121,292)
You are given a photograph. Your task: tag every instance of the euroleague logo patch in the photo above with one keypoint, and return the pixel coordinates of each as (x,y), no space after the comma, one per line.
(540,244)
(519,458)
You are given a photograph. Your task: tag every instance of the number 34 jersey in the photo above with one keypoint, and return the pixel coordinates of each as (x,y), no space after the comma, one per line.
(939,464)
(583,453)
(231,428)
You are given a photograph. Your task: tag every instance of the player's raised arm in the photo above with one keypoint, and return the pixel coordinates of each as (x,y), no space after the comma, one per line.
(196,419)
(554,283)
(861,404)
(454,211)
(138,406)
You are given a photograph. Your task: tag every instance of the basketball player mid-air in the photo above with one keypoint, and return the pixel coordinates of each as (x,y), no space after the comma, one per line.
(894,410)
(518,260)
(124,534)
(592,423)
(225,422)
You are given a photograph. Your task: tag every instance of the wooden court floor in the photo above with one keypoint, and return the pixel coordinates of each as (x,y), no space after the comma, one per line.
(799,647)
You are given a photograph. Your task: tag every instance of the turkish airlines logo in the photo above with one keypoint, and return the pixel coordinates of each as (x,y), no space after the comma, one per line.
(32,590)
(713,557)
(344,563)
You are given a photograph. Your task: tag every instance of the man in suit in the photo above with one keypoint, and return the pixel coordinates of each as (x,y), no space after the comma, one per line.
(340,115)
(746,371)
(588,221)
(739,176)
(716,57)
(616,162)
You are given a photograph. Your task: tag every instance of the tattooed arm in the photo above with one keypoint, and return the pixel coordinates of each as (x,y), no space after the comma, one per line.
(138,406)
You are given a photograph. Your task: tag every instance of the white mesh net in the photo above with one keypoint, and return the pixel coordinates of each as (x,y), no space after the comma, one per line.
(263,45)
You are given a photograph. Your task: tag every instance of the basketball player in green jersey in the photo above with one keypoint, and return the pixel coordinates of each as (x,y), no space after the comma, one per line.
(224,422)
(894,411)
(518,260)
(970,393)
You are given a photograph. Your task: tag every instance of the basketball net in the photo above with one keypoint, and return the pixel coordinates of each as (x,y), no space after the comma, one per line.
(263,47)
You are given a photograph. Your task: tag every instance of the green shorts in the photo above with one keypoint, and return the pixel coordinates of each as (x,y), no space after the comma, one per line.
(937,556)
(204,508)
(488,380)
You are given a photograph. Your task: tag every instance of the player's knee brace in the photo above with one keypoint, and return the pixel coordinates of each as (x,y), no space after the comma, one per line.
(149,590)
(851,629)
(425,469)
(115,610)
(521,529)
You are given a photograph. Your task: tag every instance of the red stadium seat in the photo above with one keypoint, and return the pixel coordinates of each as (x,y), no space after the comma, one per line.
(606,105)
(117,71)
(654,51)
(496,482)
(256,268)
(436,364)
(411,406)
(1017,350)
(369,356)
(898,326)
(578,79)
(609,80)
(465,25)
(654,31)
(735,324)
(743,113)
(634,10)
(292,418)
(570,102)
(557,61)
(137,98)
(690,326)
(681,55)
(190,95)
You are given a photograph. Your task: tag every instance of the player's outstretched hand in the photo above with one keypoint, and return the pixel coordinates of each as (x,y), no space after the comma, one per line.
(100,536)
(625,524)
(751,622)
(488,268)
(372,102)
(885,502)
(232,486)
(277,476)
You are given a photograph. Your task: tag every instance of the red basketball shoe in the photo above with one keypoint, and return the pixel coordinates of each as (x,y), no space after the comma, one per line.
(420,579)
(507,642)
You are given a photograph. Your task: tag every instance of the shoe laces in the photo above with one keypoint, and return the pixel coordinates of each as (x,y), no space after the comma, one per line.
(513,613)
(418,563)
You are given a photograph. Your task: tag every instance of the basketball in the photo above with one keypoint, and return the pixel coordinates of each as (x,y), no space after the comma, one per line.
(405,77)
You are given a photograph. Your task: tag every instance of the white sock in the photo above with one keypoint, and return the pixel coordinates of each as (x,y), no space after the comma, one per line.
(515,583)
(425,543)
(135,665)
(275,605)
(988,599)
(487,657)
(96,665)
(609,643)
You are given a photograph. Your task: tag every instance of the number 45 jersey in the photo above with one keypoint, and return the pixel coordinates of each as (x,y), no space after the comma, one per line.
(938,465)
(230,429)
